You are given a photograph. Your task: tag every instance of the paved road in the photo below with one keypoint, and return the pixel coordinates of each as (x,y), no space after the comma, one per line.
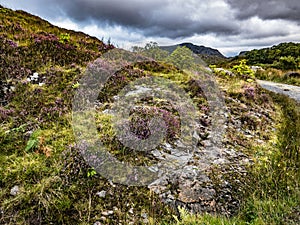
(290,90)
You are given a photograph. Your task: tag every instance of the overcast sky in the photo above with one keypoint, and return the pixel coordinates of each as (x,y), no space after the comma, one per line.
(228,25)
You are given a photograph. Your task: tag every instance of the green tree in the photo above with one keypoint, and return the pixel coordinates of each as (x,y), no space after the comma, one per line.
(272,55)
(298,62)
(287,63)
(151,50)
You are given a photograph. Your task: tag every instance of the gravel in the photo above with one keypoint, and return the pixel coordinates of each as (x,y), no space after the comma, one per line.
(289,90)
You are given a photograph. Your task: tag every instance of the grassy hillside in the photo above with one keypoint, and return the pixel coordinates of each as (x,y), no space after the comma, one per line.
(45,180)
(277,56)
(279,63)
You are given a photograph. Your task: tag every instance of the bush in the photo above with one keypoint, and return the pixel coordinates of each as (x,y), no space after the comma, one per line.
(287,63)
(243,70)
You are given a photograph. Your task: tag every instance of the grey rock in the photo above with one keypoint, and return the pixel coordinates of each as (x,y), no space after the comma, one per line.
(107,213)
(256,68)
(15,190)
(144,215)
(131,211)
(97,223)
(101,194)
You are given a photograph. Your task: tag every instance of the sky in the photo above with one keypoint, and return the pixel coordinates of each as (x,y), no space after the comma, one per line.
(230,26)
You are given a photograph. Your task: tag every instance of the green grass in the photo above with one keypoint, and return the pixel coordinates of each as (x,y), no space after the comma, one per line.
(277,75)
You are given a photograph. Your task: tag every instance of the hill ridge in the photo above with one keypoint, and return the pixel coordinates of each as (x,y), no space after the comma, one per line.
(197,49)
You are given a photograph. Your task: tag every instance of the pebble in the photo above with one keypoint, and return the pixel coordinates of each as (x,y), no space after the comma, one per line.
(107,213)
(130,210)
(15,190)
(101,194)
(144,215)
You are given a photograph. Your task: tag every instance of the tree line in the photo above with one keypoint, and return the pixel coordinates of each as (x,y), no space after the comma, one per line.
(284,56)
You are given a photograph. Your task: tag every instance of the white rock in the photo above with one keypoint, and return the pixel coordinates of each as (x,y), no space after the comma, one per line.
(15,190)
(101,194)
(107,213)
(144,215)
(130,210)
(111,183)
(35,75)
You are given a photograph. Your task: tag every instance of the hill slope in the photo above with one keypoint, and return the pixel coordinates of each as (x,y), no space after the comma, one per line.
(273,55)
(202,50)
(44,178)
(209,55)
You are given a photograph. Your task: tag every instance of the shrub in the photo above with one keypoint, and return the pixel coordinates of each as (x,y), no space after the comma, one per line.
(243,70)
(64,38)
(287,63)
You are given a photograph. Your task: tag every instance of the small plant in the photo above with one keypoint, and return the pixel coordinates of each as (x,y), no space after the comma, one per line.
(64,38)
(243,70)
(33,141)
(91,172)
(249,91)
(141,116)
(76,85)
(17,129)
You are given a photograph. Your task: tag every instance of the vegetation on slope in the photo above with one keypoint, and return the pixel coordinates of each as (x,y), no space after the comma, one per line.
(280,63)
(40,67)
(44,179)
(284,56)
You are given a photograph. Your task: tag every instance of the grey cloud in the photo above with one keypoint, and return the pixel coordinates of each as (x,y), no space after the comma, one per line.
(132,13)
(168,18)
(222,21)
(186,28)
(156,18)
(273,9)
(258,35)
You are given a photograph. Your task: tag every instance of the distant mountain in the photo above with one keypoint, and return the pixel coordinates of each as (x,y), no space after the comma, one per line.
(243,53)
(200,50)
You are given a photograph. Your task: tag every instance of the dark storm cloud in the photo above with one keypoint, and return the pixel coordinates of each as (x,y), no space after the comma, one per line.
(226,24)
(168,18)
(189,29)
(273,9)
(127,13)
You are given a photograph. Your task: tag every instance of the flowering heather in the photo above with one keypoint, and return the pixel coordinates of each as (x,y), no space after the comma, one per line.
(38,38)
(249,91)
(141,116)
(12,43)
(5,113)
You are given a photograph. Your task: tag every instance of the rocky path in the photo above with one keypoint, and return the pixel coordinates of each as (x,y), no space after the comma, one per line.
(290,90)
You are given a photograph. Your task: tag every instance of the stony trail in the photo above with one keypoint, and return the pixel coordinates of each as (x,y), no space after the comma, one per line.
(289,90)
